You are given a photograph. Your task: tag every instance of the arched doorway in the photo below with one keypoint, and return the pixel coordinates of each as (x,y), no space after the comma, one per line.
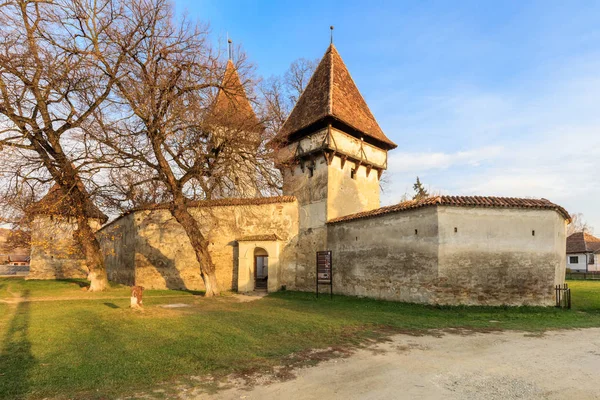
(261,268)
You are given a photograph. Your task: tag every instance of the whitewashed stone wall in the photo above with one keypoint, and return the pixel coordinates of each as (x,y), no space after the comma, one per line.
(451,255)
(152,249)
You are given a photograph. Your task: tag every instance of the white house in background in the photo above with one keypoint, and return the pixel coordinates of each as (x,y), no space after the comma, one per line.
(583,252)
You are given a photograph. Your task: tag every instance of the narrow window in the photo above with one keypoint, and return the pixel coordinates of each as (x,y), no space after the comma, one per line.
(591,259)
(353,173)
(533,233)
(455,229)
(416,232)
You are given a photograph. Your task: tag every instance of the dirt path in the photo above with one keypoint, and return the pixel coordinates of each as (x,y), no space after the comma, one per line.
(502,365)
(17,300)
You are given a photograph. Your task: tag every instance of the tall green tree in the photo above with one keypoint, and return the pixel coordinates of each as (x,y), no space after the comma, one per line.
(420,191)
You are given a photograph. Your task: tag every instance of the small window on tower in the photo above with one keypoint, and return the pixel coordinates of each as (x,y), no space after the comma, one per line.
(353,173)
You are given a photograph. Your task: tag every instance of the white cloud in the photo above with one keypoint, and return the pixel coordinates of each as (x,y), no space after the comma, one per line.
(540,139)
(423,162)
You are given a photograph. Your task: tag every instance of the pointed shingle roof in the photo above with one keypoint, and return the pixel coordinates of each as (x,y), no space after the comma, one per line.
(232,107)
(331,92)
(58,202)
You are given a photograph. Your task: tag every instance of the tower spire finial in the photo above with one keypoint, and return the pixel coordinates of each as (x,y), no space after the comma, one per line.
(229,47)
(331,29)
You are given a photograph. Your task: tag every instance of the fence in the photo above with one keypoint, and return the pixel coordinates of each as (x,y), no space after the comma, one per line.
(563,296)
(583,275)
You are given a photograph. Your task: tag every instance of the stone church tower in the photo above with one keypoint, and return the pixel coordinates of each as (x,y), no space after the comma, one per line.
(332,153)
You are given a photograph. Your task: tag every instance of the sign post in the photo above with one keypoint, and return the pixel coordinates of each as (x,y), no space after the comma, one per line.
(325,271)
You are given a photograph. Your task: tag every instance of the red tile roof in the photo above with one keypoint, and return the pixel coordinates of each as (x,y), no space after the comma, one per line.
(57,202)
(581,242)
(331,92)
(221,203)
(232,107)
(260,238)
(212,203)
(458,201)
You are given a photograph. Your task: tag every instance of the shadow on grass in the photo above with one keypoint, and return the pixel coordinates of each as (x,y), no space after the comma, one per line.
(192,292)
(79,282)
(16,358)
(111,305)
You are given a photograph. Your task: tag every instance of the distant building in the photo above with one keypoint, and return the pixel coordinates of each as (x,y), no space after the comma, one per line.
(10,255)
(583,252)
(18,260)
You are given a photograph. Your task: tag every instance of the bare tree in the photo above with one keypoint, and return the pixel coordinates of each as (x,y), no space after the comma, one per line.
(279,94)
(579,224)
(166,123)
(50,86)
(13,213)
(297,76)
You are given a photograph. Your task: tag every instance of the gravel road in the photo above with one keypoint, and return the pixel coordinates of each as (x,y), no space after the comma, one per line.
(500,365)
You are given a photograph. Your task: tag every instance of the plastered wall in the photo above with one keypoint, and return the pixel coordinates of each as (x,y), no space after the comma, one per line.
(55,254)
(157,253)
(451,255)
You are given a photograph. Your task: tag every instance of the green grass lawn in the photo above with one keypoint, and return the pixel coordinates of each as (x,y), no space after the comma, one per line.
(96,347)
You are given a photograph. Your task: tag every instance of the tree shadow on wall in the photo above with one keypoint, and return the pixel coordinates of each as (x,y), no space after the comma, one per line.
(16,359)
(164,265)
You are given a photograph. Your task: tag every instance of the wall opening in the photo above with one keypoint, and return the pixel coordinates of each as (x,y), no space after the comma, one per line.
(261,268)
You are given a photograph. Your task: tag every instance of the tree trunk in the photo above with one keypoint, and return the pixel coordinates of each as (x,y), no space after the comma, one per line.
(93,255)
(200,245)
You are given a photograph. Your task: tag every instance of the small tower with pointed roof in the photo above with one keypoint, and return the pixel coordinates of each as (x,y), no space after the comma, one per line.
(332,151)
(233,119)
(55,251)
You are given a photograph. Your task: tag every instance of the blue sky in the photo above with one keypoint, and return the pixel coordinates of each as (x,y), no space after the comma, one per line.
(482,97)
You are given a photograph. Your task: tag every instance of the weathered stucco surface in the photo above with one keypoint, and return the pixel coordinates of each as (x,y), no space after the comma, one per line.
(384,258)
(311,194)
(326,192)
(55,254)
(157,253)
(347,195)
(500,256)
(118,246)
(491,257)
